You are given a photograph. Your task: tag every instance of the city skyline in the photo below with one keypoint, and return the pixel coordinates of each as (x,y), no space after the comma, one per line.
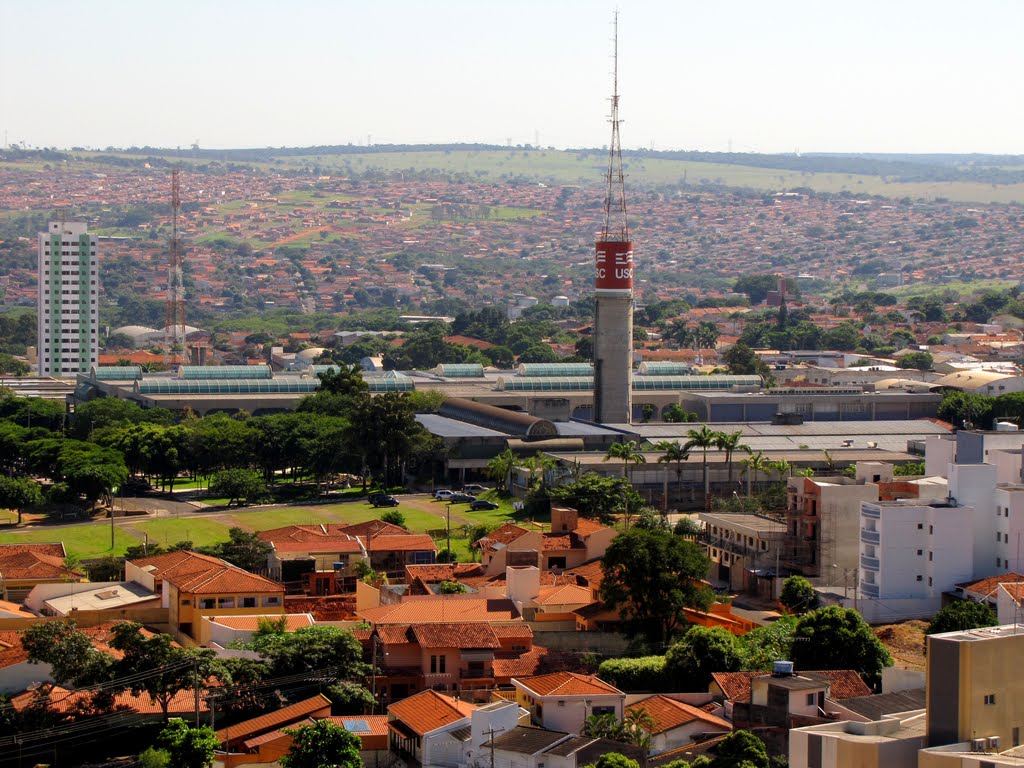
(788,77)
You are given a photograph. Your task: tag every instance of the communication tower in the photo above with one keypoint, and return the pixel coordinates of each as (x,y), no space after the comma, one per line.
(174,331)
(613,284)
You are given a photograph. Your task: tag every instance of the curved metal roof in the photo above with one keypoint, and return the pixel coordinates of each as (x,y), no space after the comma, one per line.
(499,419)
(555,369)
(116,372)
(225,372)
(460,370)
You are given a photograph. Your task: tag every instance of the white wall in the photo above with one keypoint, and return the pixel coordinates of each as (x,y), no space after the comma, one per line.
(17,677)
(939,453)
(43,592)
(973,485)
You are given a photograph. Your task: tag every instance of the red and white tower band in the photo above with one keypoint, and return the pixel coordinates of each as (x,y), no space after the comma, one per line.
(613,286)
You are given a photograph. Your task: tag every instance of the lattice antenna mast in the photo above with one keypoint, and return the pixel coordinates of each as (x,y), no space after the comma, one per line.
(616,228)
(175,330)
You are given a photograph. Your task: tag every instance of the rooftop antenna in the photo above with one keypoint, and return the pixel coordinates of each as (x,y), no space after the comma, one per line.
(615,227)
(174,332)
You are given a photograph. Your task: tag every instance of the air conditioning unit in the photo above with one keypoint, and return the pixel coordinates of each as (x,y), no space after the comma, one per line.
(993,743)
(979,745)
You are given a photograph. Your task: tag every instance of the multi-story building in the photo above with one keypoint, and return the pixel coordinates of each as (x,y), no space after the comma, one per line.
(913,550)
(68,288)
(741,547)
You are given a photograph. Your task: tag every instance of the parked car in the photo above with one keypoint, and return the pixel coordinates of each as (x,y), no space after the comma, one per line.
(372,498)
(480,504)
(135,485)
(385,501)
(474,488)
(461,498)
(443,494)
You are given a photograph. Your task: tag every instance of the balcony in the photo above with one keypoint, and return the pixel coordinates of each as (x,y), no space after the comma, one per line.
(870,537)
(869,590)
(871,512)
(870,563)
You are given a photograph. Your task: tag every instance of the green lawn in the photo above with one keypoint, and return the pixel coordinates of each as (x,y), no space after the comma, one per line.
(85,541)
(265,519)
(200,531)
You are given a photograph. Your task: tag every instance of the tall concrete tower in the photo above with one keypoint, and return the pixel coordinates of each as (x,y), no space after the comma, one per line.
(613,287)
(68,317)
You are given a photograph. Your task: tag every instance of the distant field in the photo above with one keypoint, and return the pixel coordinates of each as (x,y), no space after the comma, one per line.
(167,530)
(975,286)
(564,167)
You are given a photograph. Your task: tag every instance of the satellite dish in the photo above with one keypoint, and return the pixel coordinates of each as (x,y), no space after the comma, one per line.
(33,686)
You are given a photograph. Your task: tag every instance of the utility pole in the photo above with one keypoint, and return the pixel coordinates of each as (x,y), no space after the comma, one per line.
(195,687)
(492,732)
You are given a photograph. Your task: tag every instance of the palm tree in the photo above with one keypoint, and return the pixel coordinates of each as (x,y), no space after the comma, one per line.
(628,452)
(601,727)
(537,463)
(705,336)
(500,467)
(755,464)
(674,452)
(637,726)
(702,438)
(781,466)
(730,443)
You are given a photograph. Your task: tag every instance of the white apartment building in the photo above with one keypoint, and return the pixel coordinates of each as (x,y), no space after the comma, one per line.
(913,550)
(68,290)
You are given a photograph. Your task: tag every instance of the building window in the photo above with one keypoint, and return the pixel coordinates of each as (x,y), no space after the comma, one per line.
(186,602)
(920,577)
(920,526)
(225,602)
(603,711)
(999,562)
(810,699)
(1016,736)
(207,603)
(920,552)
(931,530)
(990,698)
(441,664)
(248,602)
(930,556)
(433,665)
(271,600)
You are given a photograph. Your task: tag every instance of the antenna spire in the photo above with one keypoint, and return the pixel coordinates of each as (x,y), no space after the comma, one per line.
(616,229)
(174,332)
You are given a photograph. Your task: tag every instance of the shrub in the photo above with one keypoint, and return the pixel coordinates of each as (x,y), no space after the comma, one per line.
(646,673)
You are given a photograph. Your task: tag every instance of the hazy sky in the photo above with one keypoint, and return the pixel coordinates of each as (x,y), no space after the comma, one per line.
(815,75)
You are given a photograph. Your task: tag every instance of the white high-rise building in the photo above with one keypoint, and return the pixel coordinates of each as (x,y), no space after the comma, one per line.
(68,289)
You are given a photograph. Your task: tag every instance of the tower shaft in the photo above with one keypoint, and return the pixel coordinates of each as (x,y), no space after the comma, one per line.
(174,332)
(613,285)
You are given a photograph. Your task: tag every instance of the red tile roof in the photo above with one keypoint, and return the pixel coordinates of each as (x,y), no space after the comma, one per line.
(989,585)
(273,720)
(843,683)
(526,664)
(668,714)
(455,636)
(568,684)
(429,710)
(33,561)
(201,574)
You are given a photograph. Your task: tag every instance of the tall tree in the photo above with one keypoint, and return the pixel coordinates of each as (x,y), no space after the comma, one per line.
(170,668)
(674,453)
(753,466)
(17,493)
(703,438)
(650,576)
(499,469)
(322,745)
(702,651)
(69,652)
(730,443)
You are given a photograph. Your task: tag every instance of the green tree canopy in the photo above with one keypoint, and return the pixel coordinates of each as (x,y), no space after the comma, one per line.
(17,493)
(838,638)
(187,746)
(651,576)
(322,745)
(596,496)
(962,615)
(798,595)
(237,484)
(738,749)
(701,651)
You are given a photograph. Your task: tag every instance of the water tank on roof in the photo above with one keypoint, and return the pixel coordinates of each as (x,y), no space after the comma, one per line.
(782,668)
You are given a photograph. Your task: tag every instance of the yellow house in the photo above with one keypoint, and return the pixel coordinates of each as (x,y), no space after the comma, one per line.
(193,586)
